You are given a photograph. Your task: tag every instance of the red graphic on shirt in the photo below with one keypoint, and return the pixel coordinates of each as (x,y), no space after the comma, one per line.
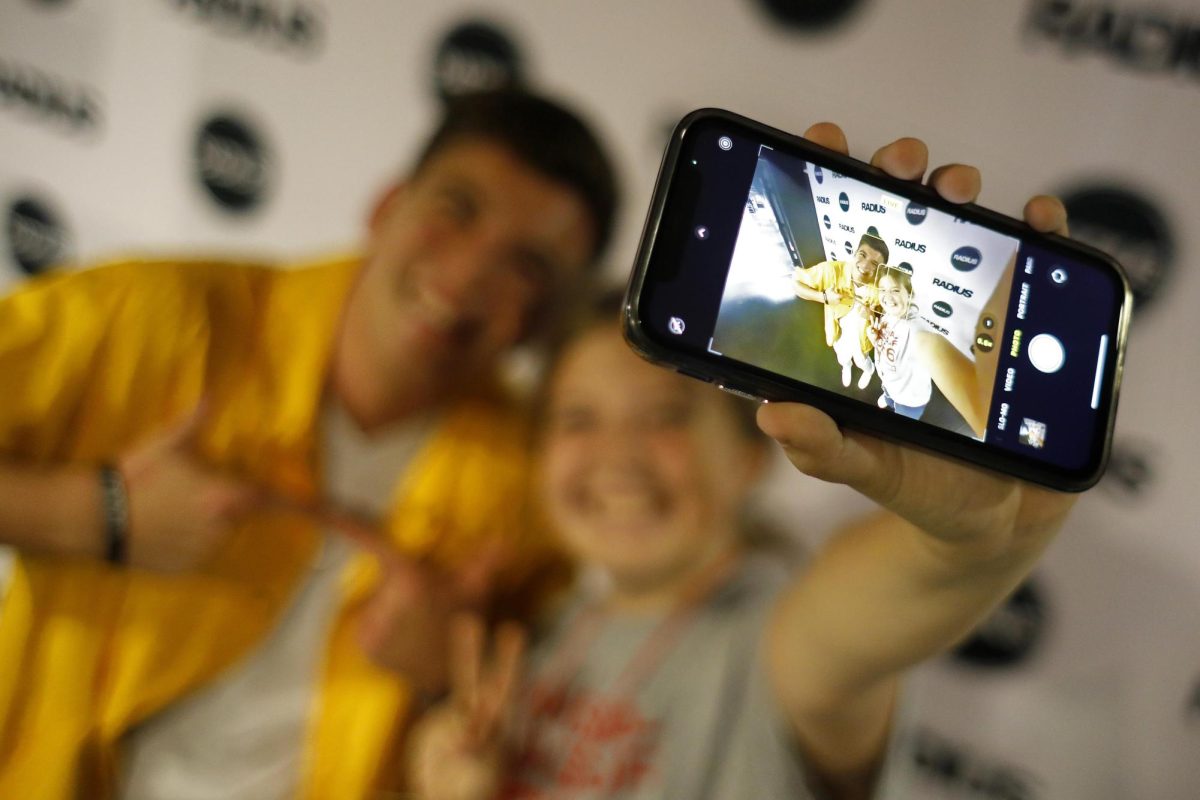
(886,339)
(580,743)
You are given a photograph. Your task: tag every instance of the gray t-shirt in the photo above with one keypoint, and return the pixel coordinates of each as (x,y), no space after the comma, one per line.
(646,711)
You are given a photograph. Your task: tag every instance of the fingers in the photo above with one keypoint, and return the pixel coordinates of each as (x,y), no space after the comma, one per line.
(906,158)
(476,579)
(182,434)
(499,684)
(398,591)
(362,529)
(484,690)
(958,183)
(1046,214)
(510,651)
(229,499)
(828,135)
(176,438)
(466,660)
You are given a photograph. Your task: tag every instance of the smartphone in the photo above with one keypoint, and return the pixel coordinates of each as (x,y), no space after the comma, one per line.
(783,271)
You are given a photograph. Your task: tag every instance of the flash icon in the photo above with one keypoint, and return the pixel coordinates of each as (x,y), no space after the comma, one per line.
(675,325)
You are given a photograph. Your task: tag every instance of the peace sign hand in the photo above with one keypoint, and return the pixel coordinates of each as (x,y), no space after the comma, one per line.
(457,750)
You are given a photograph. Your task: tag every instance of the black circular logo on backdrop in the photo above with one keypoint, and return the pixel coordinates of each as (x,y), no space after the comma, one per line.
(232,163)
(809,15)
(1130,228)
(1010,634)
(849,248)
(36,237)
(818,173)
(476,55)
(966,258)
(844,201)
(825,219)
(1130,471)
(942,309)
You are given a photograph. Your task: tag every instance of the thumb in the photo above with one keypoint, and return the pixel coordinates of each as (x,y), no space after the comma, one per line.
(181,434)
(362,528)
(477,578)
(151,452)
(816,446)
(230,498)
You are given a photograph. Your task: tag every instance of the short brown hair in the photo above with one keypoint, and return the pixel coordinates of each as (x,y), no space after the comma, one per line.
(543,133)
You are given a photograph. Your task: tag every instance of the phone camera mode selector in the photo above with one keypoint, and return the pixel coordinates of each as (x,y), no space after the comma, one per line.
(1059,276)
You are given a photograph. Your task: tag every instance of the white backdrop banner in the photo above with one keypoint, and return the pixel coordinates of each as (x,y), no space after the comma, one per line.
(266,127)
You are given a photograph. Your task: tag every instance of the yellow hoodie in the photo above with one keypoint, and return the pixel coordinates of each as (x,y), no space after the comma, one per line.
(92,361)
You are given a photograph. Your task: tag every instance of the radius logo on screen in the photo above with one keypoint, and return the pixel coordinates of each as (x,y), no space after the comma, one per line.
(915,213)
(966,258)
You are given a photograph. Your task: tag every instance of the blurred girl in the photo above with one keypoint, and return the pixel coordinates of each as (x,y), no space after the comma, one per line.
(697,670)
(654,686)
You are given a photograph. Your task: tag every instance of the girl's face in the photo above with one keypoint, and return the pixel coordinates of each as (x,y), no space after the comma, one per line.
(642,471)
(893,297)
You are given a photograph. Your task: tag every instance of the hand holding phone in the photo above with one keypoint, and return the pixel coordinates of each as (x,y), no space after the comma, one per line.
(949,500)
(972,334)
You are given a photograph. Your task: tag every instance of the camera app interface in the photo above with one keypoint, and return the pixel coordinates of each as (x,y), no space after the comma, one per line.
(847,287)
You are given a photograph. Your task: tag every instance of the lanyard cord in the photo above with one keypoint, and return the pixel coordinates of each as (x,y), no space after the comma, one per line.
(570,655)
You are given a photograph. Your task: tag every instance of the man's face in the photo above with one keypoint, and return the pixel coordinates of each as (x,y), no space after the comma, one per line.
(866,263)
(461,259)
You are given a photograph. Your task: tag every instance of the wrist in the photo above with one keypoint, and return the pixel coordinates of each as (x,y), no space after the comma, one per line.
(77,527)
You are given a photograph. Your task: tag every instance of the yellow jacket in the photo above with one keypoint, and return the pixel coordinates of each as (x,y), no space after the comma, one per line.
(839,276)
(92,361)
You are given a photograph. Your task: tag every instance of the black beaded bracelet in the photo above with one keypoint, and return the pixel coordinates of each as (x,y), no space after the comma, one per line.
(116,515)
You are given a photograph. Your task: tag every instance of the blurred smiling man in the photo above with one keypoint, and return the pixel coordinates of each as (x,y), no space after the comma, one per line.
(246,499)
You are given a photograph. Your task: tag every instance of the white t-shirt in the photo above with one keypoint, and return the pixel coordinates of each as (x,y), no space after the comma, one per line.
(900,369)
(242,737)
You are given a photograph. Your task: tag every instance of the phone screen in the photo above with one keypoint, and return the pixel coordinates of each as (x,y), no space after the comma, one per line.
(945,319)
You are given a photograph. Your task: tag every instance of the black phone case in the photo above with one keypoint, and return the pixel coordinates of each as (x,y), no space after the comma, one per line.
(756,384)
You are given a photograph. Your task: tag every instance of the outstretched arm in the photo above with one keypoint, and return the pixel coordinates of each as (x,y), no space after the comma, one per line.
(967,382)
(908,582)
(177,508)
